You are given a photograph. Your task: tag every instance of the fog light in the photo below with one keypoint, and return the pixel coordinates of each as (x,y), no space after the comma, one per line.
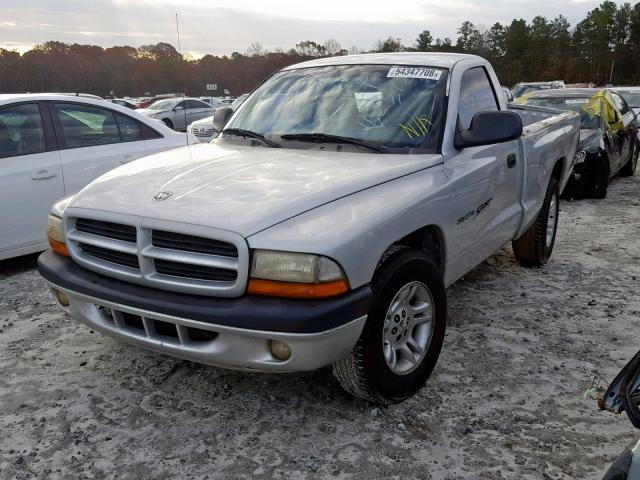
(280,350)
(61,297)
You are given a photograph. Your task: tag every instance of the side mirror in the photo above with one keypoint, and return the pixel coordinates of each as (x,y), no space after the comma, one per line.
(178,107)
(490,127)
(220,117)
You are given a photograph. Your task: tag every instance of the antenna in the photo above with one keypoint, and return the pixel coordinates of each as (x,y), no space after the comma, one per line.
(184,109)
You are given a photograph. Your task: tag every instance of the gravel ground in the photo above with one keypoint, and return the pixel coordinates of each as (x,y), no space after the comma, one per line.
(505,401)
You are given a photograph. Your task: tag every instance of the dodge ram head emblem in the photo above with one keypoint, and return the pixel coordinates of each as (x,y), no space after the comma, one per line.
(158,197)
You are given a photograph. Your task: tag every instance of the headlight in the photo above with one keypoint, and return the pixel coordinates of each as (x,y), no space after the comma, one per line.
(579,157)
(55,235)
(295,275)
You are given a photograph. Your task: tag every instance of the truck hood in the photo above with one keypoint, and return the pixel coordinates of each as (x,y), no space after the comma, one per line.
(241,189)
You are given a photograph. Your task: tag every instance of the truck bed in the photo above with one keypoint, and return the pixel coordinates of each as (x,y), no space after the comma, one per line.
(547,134)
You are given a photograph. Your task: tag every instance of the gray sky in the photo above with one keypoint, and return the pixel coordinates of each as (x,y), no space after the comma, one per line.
(221,27)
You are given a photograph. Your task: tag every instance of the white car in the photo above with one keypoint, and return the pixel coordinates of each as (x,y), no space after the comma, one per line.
(53,145)
(178,112)
(203,129)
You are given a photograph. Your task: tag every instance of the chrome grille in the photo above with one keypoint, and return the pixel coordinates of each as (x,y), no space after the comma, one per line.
(113,256)
(191,243)
(126,233)
(177,269)
(156,253)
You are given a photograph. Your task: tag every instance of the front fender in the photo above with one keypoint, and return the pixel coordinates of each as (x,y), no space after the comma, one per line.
(357,229)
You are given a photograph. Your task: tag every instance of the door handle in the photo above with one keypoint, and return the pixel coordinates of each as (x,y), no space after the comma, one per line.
(42,175)
(511,160)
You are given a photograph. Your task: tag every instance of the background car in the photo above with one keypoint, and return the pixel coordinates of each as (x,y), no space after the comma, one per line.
(177,113)
(632,96)
(523,88)
(122,102)
(608,136)
(146,102)
(54,145)
(204,130)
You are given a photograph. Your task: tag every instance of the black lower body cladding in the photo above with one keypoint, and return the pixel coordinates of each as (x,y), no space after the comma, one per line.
(248,312)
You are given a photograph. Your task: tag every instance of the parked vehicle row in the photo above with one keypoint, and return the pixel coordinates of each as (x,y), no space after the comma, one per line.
(609,143)
(178,113)
(52,145)
(322,225)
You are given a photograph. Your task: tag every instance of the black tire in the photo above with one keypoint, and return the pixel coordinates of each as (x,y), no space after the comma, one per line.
(629,168)
(168,123)
(532,249)
(599,179)
(364,372)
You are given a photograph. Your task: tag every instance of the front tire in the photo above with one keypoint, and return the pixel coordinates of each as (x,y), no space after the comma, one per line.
(535,246)
(402,338)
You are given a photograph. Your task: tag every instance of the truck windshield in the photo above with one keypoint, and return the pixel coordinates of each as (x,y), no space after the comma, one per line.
(390,108)
(588,108)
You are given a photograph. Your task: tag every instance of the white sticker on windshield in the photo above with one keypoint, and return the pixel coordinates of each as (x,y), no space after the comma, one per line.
(570,101)
(414,72)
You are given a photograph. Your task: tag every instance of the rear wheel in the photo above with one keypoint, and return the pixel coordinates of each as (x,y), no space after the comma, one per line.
(401,340)
(535,246)
(629,168)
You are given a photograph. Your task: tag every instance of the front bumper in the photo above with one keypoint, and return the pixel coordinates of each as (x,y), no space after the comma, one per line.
(227,332)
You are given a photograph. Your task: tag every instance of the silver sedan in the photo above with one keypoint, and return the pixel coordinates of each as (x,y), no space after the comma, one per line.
(179,112)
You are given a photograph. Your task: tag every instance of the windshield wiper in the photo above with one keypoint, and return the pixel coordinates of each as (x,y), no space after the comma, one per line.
(248,133)
(328,138)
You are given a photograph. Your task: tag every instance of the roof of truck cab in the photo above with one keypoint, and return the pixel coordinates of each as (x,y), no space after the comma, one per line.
(435,59)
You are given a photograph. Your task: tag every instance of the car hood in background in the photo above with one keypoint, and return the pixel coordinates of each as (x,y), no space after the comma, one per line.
(241,189)
(203,121)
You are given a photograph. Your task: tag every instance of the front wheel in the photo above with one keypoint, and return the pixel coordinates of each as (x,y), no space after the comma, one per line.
(401,340)
(534,247)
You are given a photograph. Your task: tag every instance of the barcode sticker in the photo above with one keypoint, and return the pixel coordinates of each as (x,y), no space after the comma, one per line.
(414,72)
(570,101)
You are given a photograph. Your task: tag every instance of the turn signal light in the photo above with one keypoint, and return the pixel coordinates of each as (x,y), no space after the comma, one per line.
(59,247)
(271,288)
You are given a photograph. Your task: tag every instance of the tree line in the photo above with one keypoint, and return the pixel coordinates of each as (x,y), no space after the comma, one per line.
(604,46)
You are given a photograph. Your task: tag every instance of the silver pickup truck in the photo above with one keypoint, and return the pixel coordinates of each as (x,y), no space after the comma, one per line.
(323,225)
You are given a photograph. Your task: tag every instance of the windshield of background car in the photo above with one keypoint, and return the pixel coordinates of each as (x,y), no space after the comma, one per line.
(162,105)
(397,107)
(520,90)
(588,118)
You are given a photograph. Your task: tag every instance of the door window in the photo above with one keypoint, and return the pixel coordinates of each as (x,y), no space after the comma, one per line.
(191,104)
(621,105)
(86,125)
(476,95)
(130,129)
(21,131)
